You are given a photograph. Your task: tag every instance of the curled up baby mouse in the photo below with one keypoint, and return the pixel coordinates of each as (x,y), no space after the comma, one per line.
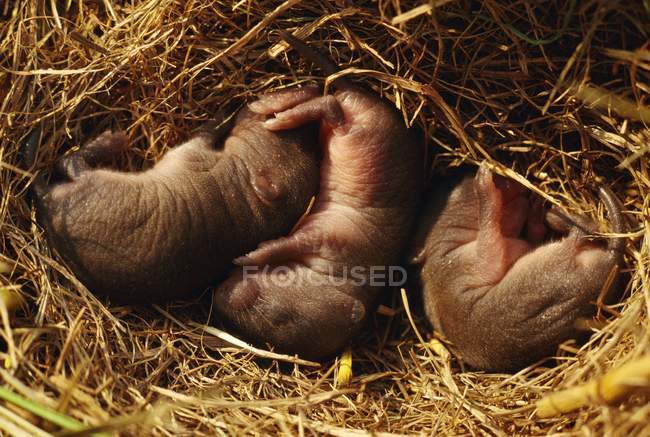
(310,292)
(492,285)
(174,229)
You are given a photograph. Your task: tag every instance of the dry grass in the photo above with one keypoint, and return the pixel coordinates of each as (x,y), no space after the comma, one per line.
(491,80)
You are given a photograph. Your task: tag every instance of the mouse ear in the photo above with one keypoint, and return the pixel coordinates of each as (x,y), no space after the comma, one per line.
(266,188)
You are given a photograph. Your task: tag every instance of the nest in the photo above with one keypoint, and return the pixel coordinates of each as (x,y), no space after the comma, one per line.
(552,93)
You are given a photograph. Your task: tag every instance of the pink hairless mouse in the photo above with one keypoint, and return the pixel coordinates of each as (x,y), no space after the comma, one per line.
(310,292)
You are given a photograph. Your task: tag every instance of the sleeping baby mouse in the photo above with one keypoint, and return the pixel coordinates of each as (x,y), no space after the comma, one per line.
(310,292)
(163,233)
(493,284)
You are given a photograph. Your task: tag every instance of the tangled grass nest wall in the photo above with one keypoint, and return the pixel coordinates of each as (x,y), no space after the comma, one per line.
(553,93)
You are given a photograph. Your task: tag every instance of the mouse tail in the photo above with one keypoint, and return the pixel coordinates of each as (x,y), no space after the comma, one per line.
(614,208)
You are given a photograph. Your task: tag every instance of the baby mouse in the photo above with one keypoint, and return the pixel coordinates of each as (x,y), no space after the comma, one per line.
(160,234)
(491,285)
(310,292)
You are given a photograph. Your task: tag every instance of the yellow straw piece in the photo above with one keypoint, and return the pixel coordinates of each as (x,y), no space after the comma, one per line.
(603,99)
(438,348)
(612,387)
(345,369)
(10,298)
(5,267)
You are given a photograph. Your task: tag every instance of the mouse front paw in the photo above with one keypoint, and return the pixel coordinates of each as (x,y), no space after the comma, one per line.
(98,152)
(278,101)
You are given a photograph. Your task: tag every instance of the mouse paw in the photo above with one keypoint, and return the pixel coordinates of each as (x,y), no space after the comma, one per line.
(282,250)
(95,153)
(490,201)
(278,101)
(502,213)
(325,108)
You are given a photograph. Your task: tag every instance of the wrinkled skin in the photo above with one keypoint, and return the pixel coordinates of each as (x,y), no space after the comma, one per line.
(173,230)
(492,286)
(371,179)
